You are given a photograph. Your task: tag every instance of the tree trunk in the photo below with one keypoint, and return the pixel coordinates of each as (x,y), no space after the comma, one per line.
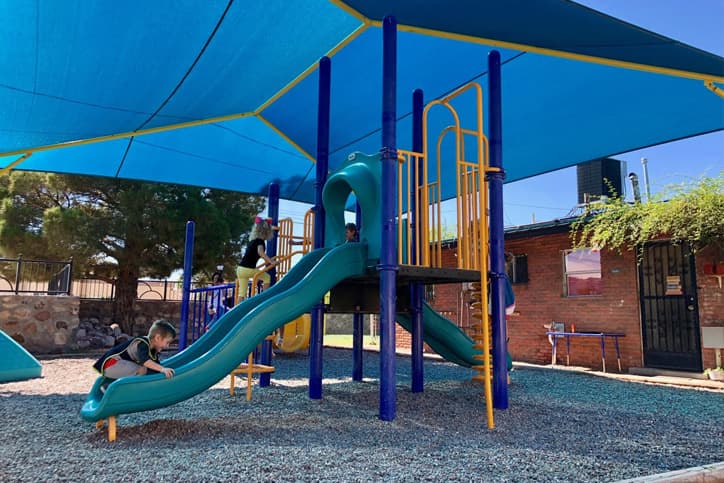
(126,291)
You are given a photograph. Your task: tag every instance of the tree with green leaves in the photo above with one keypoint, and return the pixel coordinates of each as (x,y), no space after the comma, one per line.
(688,212)
(114,228)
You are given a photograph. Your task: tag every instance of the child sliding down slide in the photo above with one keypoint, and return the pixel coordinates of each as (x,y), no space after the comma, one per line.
(137,356)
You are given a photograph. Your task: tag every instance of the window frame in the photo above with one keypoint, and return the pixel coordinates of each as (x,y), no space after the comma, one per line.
(517,269)
(567,274)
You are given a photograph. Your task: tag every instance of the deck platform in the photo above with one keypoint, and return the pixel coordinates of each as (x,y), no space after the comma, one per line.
(362,294)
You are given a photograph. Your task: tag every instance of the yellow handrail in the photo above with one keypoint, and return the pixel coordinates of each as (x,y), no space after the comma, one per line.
(267,266)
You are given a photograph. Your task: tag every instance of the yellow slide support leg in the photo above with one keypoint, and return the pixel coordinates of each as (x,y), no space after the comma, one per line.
(111,427)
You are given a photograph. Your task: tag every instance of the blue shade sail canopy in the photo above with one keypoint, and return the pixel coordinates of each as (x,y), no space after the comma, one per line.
(240,79)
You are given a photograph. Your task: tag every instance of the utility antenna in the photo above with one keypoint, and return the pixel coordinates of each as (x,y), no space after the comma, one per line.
(644,164)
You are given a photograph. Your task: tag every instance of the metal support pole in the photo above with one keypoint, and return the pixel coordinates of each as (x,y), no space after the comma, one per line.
(357,323)
(416,289)
(317,328)
(497,261)
(186,287)
(388,256)
(273,213)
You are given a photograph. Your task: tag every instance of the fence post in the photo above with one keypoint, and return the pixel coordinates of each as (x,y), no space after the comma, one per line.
(17,273)
(69,289)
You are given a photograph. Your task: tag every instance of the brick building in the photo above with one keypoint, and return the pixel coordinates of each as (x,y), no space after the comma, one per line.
(602,293)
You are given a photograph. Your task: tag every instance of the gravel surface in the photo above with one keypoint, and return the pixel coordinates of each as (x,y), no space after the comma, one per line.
(561,426)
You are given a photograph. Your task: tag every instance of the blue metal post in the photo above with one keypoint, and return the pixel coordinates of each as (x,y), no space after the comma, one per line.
(271,249)
(497,261)
(188,268)
(357,322)
(388,256)
(317,328)
(273,213)
(416,289)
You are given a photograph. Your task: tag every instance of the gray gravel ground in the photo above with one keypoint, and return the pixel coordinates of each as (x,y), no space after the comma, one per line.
(561,426)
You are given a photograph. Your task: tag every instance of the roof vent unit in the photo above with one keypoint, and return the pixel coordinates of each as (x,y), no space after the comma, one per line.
(599,179)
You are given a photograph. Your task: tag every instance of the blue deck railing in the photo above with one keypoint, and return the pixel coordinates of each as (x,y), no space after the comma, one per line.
(201,301)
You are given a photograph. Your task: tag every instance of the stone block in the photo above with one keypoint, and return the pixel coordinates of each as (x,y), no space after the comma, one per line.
(43,315)
(60,338)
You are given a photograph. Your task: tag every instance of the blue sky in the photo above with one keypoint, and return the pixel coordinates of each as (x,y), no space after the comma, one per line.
(695,22)
(699,23)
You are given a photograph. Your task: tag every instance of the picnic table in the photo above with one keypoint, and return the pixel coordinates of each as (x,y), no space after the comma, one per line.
(554,335)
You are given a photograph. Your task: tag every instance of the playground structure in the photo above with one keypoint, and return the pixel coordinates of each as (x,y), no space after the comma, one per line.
(269,103)
(351,269)
(351,272)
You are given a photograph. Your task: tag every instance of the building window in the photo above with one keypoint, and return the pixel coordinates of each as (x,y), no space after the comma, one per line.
(582,272)
(516,266)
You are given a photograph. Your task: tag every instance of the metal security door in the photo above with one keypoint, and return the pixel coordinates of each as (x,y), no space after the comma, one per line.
(669,308)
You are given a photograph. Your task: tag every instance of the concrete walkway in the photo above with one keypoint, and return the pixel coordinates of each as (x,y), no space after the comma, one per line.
(713,473)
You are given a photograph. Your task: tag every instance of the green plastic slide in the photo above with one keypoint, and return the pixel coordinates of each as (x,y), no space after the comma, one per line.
(229,320)
(16,364)
(232,337)
(445,338)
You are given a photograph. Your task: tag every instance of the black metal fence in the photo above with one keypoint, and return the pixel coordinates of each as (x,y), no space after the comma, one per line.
(21,276)
(43,277)
(96,289)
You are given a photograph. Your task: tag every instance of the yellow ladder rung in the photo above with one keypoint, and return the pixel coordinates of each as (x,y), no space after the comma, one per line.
(255,368)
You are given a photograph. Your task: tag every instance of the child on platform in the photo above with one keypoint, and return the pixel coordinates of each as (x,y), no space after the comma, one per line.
(138,355)
(261,233)
(350,233)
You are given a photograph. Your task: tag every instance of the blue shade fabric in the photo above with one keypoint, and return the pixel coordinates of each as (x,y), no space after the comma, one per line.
(240,155)
(80,70)
(556,25)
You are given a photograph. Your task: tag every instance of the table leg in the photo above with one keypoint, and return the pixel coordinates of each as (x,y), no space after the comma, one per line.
(568,350)
(618,353)
(603,352)
(553,350)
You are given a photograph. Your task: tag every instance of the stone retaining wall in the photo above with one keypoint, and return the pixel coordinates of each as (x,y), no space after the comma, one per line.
(146,312)
(41,324)
(60,324)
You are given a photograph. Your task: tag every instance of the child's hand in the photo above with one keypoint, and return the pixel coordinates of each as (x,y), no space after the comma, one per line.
(168,372)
